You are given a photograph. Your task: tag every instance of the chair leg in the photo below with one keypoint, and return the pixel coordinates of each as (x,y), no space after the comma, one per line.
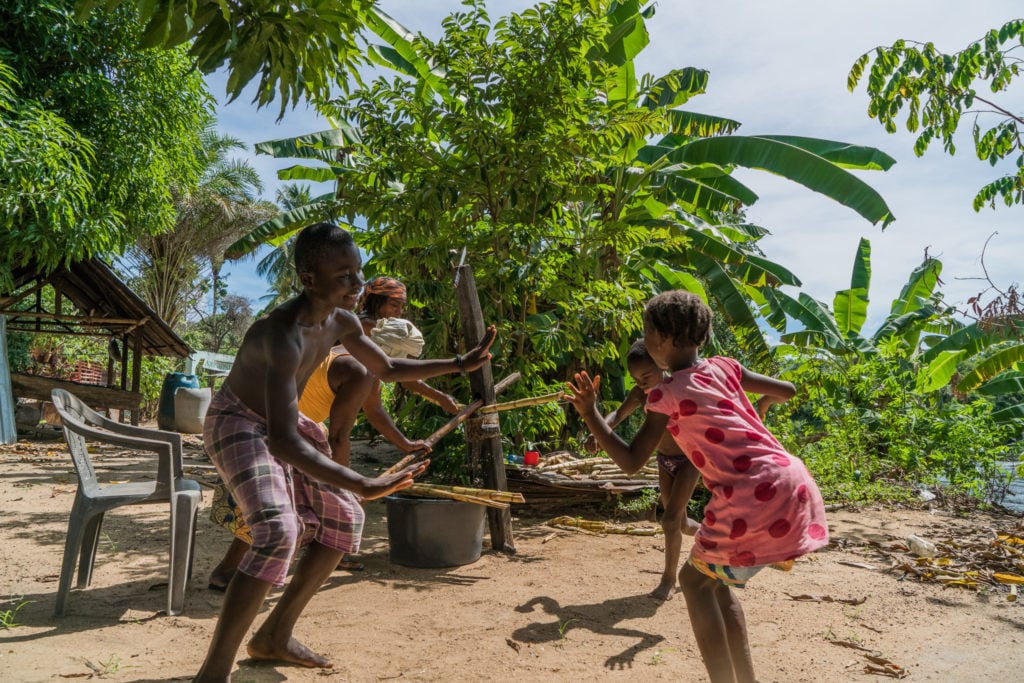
(67,568)
(184,511)
(90,541)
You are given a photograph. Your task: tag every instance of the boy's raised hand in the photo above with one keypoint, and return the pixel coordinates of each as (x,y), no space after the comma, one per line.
(381,486)
(583,394)
(480,354)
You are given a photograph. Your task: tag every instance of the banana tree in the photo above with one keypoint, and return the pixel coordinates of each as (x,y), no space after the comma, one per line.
(920,330)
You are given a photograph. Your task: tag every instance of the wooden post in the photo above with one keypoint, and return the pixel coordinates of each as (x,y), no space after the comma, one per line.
(136,373)
(483,434)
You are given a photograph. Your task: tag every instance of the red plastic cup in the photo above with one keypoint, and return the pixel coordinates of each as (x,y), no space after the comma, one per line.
(531,458)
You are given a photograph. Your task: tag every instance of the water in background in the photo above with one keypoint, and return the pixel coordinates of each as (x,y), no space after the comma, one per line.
(1015,495)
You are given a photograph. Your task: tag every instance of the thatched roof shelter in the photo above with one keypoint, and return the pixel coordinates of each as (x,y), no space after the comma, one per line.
(89,300)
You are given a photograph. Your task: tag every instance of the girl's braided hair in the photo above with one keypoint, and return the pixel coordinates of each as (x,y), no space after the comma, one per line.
(679,315)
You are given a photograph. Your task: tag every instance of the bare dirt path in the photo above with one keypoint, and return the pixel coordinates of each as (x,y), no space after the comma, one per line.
(571,607)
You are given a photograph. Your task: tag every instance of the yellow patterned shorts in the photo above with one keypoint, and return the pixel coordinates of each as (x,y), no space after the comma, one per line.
(225,513)
(735,577)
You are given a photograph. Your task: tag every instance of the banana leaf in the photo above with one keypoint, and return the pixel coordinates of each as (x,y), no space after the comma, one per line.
(284,225)
(939,371)
(992,366)
(792,162)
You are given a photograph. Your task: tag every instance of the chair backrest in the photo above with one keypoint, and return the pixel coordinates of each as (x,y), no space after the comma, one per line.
(73,414)
(82,423)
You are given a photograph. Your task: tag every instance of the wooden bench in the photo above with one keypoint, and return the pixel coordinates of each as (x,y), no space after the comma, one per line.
(95,396)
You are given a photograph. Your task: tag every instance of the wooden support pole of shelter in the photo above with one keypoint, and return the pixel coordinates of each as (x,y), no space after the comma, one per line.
(136,373)
(485,448)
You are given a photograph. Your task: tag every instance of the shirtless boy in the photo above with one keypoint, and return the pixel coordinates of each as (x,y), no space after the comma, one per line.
(276,462)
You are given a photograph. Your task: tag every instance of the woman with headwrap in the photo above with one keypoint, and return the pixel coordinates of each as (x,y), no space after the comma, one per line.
(384,298)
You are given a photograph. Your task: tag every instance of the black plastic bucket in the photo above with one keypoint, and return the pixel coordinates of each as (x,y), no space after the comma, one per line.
(434,532)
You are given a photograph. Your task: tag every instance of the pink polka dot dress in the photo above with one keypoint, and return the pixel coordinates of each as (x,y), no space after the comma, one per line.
(765,506)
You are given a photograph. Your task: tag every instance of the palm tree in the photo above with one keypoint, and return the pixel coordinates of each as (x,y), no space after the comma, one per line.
(223,206)
(277,266)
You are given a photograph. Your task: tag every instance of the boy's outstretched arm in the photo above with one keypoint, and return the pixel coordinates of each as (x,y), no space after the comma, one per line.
(283,354)
(400,370)
(772,390)
(629,457)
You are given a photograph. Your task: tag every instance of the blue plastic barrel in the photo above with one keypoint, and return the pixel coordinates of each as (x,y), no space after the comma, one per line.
(172,382)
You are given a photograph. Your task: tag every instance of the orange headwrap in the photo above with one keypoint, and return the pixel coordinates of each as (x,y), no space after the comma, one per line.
(389,287)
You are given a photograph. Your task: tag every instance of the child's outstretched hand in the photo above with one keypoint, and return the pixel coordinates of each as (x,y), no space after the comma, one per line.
(479,354)
(583,394)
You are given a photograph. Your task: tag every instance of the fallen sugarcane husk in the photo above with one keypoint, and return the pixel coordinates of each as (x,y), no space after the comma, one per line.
(597,527)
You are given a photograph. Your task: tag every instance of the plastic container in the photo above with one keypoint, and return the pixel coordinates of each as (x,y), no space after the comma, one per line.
(920,546)
(434,532)
(531,458)
(190,406)
(165,410)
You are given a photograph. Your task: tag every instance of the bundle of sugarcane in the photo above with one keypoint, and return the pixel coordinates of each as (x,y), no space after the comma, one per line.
(488,497)
(598,468)
(592,527)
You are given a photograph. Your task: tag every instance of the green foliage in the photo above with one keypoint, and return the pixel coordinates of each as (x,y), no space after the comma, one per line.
(46,194)
(223,332)
(920,330)
(939,89)
(172,271)
(646,500)
(18,346)
(8,617)
(871,435)
(151,381)
(298,49)
(94,132)
(526,143)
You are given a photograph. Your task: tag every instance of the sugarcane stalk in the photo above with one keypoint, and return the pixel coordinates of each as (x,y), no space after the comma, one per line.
(428,491)
(521,403)
(503,496)
(506,383)
(448,426)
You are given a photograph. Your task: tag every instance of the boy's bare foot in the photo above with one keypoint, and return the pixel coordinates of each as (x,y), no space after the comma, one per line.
(260,648)
(665,590)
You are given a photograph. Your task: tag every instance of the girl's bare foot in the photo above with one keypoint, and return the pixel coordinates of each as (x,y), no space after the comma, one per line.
(665,590)
(260,648)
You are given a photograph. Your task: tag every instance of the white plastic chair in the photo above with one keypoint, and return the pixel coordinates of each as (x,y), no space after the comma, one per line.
(92,500)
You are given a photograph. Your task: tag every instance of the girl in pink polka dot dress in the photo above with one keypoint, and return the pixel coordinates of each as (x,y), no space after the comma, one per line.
(765,508)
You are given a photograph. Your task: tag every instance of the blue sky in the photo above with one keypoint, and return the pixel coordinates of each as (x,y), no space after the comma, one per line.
(780,67)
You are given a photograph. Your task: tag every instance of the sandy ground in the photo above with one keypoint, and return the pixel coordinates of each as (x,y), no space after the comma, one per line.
(567,606)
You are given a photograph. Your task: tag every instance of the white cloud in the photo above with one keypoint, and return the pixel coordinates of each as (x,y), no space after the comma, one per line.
(781,67)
